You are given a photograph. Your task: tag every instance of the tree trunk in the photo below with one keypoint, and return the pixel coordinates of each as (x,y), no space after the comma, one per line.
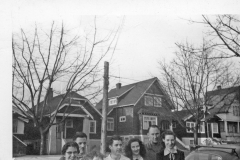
(196,133)
(43,142)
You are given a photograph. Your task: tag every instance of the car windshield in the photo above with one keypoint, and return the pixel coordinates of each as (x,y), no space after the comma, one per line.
(203,156)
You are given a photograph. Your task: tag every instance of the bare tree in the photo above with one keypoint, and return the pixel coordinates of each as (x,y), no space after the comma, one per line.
(224,34)
(190,75)
(42,59)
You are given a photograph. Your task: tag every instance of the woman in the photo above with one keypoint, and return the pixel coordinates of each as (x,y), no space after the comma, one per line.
(70,151)
(135,149)
(170,151)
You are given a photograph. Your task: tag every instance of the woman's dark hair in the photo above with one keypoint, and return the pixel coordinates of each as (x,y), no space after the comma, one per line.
(128,150)
(168,132)
(69,144)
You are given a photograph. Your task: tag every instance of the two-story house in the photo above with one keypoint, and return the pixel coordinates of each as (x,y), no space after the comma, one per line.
(133,108)
(225,104)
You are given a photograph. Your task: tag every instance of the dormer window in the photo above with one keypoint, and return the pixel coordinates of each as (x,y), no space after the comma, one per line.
(112,101)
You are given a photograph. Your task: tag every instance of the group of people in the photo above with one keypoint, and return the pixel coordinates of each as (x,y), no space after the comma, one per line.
(159,147)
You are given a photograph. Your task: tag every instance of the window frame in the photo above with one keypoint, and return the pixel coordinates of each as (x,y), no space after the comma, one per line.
(146,116)
(110,129)
(217,128)
(190,126)
(147,99)
(122,119)
(155,100)
(112,101)
(67,120)
(95,125)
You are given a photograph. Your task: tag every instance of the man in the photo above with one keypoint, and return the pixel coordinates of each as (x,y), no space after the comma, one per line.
(115,146)
(81,139)
(154,145)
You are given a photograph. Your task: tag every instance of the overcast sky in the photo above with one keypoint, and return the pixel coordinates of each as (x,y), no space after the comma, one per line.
(151,27)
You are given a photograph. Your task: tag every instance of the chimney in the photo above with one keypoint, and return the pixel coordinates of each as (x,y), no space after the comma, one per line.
(50,94)
(219,87)
(118,85)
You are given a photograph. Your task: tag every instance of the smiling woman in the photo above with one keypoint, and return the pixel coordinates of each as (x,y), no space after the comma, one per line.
(135,149)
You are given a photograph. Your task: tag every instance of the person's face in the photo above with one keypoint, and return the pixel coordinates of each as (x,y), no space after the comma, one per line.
(116,147)
(153,134)
(82,144)
(71,153)
(135,147)
(169,141)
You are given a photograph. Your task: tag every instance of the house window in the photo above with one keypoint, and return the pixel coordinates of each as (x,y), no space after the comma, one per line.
(202,127)
(148,101)
(232,127)
(214,127)
(165,125)
(122,119)
(110,124)
(148,121)
(191,142)
(174,124)
(92,125)
(222,128)
(112,101)
(236,111)
(15,125)
(157,102)
(190,126)
(69,123)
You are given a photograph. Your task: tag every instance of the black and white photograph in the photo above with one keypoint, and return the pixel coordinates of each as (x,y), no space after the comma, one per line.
(120,80)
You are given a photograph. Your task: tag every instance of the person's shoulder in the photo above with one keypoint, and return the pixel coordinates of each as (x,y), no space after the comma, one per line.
(107,157)
(62,158)
(148,145)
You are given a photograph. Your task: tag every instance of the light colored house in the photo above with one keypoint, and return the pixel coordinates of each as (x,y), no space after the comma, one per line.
(227,108)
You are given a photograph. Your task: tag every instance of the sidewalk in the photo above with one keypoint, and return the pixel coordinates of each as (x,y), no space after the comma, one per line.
(39,157)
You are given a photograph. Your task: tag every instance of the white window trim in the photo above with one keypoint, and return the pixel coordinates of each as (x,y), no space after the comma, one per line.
(109,129)
(190,126)
(122,119)
(149,116)
(94,121)
(145,97)
(160,101)
(71,123)
(112,101)
(212,128)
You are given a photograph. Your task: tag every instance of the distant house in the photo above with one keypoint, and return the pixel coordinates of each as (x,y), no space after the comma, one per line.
(134,107)
(19,121)
(80,115)
(186,121)
(226,104)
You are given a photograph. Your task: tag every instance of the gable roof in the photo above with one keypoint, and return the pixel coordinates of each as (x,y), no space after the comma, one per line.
(71,98)
(223,91)
(132,93)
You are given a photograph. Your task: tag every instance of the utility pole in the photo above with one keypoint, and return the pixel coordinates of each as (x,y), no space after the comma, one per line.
(104,108)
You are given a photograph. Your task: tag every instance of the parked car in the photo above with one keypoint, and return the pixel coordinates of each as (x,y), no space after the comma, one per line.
(216,152)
